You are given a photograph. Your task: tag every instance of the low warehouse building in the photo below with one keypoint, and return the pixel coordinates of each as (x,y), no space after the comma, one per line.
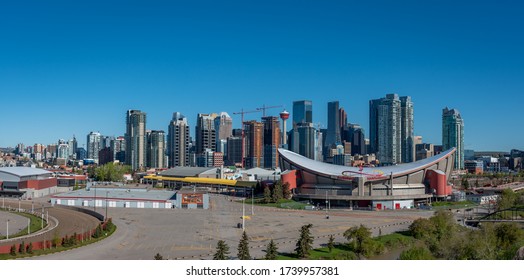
(26,182)
(132,198)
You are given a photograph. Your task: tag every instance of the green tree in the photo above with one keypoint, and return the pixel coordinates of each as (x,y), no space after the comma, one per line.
(417,253)
(158,257)
(271,251)
(465,183)
(277,192)
(30,248)
(222,251)
(267,195)
(305,242)
(331,243)
(507,199)
(111,172)
(98,232)
(243,248)
(21,248)
(13,250)
(360,238)
(286,191)
(508,234)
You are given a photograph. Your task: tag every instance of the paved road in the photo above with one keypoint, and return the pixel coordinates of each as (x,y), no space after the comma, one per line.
(193,234)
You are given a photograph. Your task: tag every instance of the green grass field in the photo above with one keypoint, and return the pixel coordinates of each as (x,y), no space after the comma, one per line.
(35,225)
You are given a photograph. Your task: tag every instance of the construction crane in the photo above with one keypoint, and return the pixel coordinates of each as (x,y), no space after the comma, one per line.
(264,108)
(242,113)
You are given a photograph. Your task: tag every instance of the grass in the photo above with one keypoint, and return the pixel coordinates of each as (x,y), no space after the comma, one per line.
(454,205)
(58,249)
(35,225)
(282,203)
(345,252)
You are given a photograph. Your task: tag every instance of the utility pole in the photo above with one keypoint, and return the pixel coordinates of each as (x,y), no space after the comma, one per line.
(107,192)
(243,215)
(7,236)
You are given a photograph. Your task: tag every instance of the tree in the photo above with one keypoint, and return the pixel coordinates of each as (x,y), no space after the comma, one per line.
(465,183)
(277,192)
(416,253)
(360,237)
(13,250)
(243,248)
(98,232)
(111,172)
(507,199)
(305,242)
(21,248)
(222,251)
(30,248)
(158,257)
(267,195)
(271,251)
(286,191)
(331,243)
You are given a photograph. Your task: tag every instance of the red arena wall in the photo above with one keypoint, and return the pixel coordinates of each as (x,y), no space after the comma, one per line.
(38,184)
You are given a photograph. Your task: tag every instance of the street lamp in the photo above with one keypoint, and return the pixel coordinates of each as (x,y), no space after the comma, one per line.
(7,236)
(327,201)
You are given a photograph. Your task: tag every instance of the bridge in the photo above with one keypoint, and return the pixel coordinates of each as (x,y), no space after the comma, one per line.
(510,215)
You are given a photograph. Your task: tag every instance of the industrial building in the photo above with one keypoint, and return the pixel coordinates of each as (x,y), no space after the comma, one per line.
(26,182)
(391,187)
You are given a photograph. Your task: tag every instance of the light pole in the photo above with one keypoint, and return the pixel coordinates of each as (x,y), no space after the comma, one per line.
(107,192)
(327,215)
(7,235)
(3,201)
(243,215)
(28,226)
(252,201)
(32,206)
(19,199)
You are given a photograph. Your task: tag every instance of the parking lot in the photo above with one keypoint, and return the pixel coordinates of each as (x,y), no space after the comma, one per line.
(193,234)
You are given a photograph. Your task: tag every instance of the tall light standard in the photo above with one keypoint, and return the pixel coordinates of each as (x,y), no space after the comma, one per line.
(327,201)
(253,201)
(243,215)
(107,193)
(28,226)
(7,236)
(19,199)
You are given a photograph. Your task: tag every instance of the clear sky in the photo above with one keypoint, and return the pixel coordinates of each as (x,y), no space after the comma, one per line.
(70,67)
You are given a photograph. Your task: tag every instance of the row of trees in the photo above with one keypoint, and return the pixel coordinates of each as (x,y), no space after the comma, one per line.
(277,192)
(440,237)
(222,250)
(22,249)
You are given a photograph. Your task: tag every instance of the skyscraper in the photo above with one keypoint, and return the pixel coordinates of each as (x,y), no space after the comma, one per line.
(254,143)
(453,134)
(302,111)
(136,152)
(386,125)
(223,127)
(333,132)
(357,138)
(156,151)
(407,130)
(271,141)
(94,145)
(178,141)
(118,147)
(305,140)
(205,133)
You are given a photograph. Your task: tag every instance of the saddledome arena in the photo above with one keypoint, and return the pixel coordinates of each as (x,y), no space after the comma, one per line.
(391,187)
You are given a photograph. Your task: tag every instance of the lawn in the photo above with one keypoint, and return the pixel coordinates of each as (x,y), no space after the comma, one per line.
(282,203)
(35,225)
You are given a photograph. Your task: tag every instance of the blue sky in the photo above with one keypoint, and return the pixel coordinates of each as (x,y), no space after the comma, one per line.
(70,67)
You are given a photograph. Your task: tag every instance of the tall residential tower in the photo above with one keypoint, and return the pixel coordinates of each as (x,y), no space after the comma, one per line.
(136,139)
(453,134)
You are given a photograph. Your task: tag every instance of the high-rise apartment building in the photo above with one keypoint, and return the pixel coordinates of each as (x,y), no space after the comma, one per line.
(254,144)
(302,111)
(118,148)
(333,132)
(224,130)
(271,141)
(156,151)
(453,134)
(407,133)
(94,145)
(136,151)
(205,133)
(391,126)
(356,136)
(305,141)
(178,141)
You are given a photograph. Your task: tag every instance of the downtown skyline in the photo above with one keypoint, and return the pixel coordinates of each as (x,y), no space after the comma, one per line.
(58,80)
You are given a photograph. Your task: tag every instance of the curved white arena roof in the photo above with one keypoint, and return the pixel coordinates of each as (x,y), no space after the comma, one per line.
(24,171)
(369,172)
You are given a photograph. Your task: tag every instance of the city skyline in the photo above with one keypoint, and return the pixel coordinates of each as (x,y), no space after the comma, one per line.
(58,80)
